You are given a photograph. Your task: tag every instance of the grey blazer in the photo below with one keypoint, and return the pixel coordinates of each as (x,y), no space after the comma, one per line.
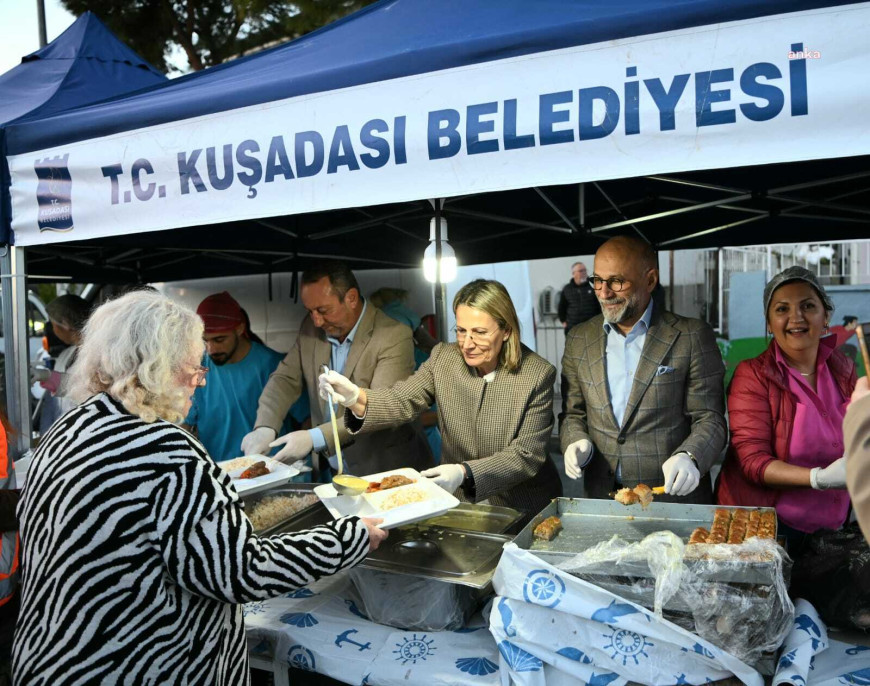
(676,404)
(499,429)
(381,354)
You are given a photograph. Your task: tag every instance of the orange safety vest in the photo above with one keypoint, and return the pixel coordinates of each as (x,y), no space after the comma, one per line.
(9,540)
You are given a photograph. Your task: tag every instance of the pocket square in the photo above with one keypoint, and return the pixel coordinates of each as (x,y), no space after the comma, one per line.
(664,369)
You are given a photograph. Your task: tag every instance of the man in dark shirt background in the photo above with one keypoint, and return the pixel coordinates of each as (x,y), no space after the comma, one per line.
(578,302)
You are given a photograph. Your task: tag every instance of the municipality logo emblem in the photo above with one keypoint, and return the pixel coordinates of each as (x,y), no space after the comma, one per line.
(54,193)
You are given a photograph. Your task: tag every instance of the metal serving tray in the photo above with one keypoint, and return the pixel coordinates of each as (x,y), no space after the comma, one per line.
(428,578)
(460,557)
(587,522)
(490,519)
(290,490)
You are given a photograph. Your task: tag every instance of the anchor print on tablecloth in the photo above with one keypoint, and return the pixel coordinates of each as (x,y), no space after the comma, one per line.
(627,645)
(300,657)
(476,666)
(518,659)
(414,648)
(300,619)
(344,637)
(543,587)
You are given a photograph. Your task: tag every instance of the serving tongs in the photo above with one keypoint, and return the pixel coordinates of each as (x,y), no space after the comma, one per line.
(344,484)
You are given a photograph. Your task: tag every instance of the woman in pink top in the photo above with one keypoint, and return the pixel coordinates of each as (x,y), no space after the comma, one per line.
(786,410)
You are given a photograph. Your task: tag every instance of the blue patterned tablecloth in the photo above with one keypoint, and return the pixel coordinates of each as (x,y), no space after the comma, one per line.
(322,629)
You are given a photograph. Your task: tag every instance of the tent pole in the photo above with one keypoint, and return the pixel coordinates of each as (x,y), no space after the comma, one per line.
(440,286)
(15,347)
(40,11)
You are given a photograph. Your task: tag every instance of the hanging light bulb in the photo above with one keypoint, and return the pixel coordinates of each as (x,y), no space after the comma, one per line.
(448,257)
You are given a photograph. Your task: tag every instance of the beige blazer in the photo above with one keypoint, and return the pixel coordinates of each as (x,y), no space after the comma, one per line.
(856,439)
(676,404)
(499,429)
(381,354)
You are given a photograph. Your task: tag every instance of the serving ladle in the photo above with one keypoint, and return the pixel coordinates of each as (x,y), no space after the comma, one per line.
(344,484)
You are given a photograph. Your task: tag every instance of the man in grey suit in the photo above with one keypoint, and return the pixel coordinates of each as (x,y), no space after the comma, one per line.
(356,339)
(643,396)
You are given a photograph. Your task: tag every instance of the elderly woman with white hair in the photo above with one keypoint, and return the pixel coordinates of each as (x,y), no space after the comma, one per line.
(137,553)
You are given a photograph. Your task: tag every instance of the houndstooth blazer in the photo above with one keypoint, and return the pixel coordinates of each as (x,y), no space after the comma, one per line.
(499,429)
(676,403)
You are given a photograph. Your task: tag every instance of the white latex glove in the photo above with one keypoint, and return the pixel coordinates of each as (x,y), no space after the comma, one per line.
(576,457)
(341,389)
(832,476)
(681,475)
(38,373)
(257,442)
(297,444)
(448,476)
(301,466)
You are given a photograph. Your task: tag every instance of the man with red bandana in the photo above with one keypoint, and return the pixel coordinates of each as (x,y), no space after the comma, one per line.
(239,366)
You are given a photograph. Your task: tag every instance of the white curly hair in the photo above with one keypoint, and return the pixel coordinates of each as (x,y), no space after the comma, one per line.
(135,349)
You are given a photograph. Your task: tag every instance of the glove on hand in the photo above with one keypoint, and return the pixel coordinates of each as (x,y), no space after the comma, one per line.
(337,387)
(577,457)
(296,444)
(257,442)
(681,475)
(52,383)
(448,476)
(832,476)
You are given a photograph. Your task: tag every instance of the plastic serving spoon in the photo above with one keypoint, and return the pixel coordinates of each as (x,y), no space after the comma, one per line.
(344,484)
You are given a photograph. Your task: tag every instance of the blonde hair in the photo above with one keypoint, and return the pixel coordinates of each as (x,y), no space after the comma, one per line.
(133,349)
(492,297)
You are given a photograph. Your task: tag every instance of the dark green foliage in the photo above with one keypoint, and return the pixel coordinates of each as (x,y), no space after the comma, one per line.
(210,31)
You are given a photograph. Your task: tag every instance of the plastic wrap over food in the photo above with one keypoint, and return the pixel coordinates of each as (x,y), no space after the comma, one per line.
(411,603)
(736,594)
(662,551)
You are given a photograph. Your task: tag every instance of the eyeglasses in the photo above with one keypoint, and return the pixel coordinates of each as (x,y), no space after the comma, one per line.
(199,373)
(614,283)
(474,337)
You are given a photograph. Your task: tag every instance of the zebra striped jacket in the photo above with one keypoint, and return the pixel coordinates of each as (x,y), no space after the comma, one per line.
(137,555)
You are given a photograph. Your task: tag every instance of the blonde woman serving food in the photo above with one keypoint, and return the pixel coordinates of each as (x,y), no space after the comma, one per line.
(495,405)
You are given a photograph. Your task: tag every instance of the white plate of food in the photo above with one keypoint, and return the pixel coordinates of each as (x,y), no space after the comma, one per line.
(403,501)
(256,473)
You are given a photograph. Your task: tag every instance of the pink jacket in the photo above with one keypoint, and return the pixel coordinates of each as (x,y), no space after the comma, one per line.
(761,411)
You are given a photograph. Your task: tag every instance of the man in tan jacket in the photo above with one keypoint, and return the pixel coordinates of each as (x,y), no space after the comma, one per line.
(353,337)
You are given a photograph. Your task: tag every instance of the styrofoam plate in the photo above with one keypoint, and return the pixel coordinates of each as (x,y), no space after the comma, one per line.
(437,500)
(280,473)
